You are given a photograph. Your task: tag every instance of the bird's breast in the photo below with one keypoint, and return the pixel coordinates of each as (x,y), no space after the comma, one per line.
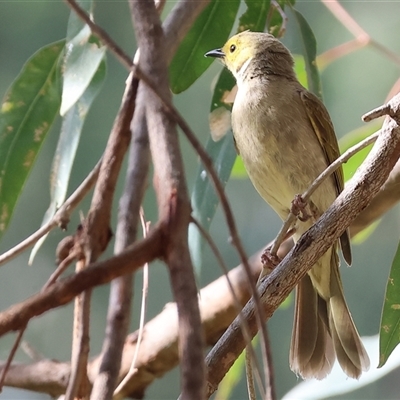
(280,150)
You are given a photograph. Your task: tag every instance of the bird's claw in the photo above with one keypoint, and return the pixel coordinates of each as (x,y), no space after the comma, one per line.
(299,208)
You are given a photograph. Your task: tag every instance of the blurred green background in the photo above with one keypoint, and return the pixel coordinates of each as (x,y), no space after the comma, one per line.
(352,86)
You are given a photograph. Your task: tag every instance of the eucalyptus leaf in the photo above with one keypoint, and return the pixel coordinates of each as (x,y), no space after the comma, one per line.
(64,157)
(389,336)
(309,53)
(210,30)
(81,62)
(26,116)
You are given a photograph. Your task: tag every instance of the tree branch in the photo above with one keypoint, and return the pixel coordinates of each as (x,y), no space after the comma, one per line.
(275,287)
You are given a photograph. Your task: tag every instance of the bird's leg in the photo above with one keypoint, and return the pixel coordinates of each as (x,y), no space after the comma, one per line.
(299,208)
(271,260)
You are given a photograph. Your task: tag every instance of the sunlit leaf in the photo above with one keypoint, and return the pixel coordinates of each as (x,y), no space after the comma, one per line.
(64,157)
(390,323)
(238,169)
(84,71)
(351,139)
(82,60)
(300,69)
(210,30)
(26,115)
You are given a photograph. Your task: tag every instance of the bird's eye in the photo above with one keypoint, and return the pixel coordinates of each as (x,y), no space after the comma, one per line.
(232,48)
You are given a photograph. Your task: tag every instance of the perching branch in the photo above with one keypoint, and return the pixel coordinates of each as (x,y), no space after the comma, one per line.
(275,287)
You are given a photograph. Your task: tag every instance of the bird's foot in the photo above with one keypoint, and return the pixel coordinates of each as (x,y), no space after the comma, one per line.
(299,208)
(269,260)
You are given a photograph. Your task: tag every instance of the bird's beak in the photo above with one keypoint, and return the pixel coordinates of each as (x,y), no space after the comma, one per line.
(217,53)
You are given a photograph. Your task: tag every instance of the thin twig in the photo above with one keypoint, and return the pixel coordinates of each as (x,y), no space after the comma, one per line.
(361,36)
(244,327)
(61,217)
(145,289)
(60,269)
(100,33)
(318,181)
(77,384)
(11,356)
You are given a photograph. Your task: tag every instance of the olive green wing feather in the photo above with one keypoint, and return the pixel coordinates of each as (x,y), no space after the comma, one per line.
(323,128)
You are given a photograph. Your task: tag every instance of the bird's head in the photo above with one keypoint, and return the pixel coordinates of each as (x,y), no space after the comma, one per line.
(257,48)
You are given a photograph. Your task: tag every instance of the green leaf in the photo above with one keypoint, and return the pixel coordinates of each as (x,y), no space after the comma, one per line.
(64,157)
(75,24)
(210,30)
(26,115)
(81,62)
(390,322)
(310,54)
(276,24)
(204,198)
(255,16)
(238,169)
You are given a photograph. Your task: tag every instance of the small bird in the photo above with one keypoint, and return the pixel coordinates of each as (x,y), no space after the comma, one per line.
(286,139)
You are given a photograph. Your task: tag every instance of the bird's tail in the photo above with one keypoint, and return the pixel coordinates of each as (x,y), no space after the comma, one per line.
(324,327)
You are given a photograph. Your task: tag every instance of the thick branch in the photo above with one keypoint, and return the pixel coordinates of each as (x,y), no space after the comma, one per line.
(173,200)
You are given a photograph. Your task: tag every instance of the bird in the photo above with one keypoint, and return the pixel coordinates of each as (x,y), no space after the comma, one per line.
(286,138)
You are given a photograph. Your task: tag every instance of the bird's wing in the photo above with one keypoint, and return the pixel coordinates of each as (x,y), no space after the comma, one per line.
(323,128)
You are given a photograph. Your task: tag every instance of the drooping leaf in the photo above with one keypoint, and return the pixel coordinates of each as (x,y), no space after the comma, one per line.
(26,115)
(204,197)
(277,18)
(210,30)
(309,53)
(255,17)
(75,24)
(389,336)
(84,71)
(81,62)
(64,157)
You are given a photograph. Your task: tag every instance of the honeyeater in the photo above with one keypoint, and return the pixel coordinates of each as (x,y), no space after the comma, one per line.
(286,139)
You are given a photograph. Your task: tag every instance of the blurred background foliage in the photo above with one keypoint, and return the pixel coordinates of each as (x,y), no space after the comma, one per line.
(352,85)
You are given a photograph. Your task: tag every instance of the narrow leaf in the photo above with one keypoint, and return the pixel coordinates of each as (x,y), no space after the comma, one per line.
(389,336)
(82,60)
(64,157)
(26,115)
(310,53)
(255,16)
(210,30)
